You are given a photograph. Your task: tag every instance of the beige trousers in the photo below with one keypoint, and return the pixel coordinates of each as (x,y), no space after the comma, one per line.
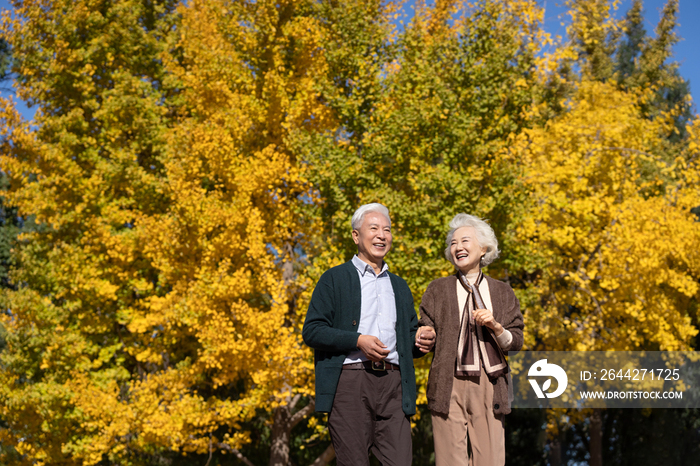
(471,435)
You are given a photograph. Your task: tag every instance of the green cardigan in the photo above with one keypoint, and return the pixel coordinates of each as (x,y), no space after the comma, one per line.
(331,330)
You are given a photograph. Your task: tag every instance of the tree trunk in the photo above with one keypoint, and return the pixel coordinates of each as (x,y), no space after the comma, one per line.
(555,449)
(596,440)
(279,451)
(284,422)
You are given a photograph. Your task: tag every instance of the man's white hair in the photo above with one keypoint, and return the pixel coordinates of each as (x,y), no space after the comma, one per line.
(484,235)
(359,215)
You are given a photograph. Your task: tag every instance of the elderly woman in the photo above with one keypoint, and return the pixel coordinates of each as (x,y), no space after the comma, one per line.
(477,320)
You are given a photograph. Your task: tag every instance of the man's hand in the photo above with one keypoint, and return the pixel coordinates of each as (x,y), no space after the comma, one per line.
(372,347)
(425,339)
(485,317)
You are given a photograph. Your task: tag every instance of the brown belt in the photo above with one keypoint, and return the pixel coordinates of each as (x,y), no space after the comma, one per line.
(371,366)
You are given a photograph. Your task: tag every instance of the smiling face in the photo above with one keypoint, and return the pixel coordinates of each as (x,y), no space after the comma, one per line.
(465,250)
(373,239)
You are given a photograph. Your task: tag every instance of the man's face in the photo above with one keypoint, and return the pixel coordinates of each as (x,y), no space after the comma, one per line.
(373,239)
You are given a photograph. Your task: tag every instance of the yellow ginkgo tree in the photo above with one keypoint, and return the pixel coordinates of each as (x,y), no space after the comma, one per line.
(614,247)
(609,240)
(155,313)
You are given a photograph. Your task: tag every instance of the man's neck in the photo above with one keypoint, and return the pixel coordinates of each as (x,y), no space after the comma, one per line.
(376,267)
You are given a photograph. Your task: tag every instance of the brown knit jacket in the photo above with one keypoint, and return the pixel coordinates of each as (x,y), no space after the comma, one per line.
(440,310)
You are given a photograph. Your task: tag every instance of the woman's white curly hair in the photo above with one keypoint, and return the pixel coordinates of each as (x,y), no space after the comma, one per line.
(484,235)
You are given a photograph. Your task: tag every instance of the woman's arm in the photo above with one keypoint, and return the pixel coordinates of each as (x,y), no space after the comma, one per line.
(513,320)
(426,331)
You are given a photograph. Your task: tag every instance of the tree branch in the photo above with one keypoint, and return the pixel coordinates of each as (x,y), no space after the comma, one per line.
(236,453)
(211,449)
(294,401)
(325,457)
(301,414)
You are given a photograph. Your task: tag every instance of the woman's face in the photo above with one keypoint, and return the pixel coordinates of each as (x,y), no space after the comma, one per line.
(465,250)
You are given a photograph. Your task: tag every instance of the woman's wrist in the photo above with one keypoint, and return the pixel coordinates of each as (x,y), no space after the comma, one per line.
(498,329)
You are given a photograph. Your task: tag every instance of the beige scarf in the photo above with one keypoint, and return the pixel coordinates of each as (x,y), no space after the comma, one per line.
(477,343)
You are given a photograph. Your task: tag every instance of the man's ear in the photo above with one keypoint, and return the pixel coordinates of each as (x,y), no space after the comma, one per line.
(356,236)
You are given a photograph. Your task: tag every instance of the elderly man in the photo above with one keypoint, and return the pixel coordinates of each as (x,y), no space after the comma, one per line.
(364,330)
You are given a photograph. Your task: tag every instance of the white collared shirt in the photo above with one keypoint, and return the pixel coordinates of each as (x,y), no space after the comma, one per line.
(377,311)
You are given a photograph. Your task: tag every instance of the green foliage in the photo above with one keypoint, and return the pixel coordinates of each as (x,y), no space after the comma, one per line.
(5,62)
(646,62)
(10,225)
(452,93)
(630,47)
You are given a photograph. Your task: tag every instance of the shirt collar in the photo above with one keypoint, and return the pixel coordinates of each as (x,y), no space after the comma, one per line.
(363,266)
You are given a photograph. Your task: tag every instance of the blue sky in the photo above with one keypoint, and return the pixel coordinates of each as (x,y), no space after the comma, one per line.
(686,54)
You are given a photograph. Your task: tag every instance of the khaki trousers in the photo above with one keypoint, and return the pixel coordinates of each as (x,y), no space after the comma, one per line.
(470,423)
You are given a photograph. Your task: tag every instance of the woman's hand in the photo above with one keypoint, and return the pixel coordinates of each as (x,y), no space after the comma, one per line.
(425,338)
(485,317)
